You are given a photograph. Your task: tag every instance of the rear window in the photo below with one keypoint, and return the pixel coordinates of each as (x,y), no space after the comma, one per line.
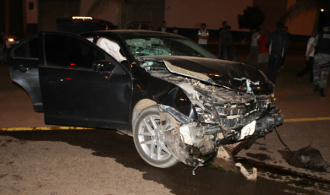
(26,49)
(69,51)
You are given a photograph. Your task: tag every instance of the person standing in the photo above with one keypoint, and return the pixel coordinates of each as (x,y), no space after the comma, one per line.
(175,30)
(221,32)
(309,64)
(285,30)
(263,56)
(163,27)
(277,43)
(229,50)
(254,46)
(321,67)
(203,35)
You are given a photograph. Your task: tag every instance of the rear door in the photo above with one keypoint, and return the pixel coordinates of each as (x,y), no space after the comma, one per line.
(81,84)
(23,62)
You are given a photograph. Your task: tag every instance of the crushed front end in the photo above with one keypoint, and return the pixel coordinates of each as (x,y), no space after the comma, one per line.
(205,114)
(225,117)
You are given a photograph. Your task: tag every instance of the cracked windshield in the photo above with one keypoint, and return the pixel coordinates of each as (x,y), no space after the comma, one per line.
(165,47)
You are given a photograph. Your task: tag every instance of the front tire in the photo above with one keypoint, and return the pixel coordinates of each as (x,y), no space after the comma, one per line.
(149,139)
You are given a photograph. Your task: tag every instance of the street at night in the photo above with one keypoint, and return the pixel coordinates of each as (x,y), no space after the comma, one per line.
(150,97)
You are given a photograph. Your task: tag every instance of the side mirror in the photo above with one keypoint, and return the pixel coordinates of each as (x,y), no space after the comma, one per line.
(103,66)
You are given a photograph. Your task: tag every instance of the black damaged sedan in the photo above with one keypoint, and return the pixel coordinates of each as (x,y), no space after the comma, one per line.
(177,100)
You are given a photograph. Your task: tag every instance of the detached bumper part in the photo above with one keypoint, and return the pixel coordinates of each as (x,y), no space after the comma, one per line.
(249,176)
(189,141)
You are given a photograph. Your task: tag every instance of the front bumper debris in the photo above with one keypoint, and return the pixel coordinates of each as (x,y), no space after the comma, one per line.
(190,141)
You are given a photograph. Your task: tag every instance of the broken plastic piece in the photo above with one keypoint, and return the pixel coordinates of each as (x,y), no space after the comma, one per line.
(249,176)
(199,164)
(225,160)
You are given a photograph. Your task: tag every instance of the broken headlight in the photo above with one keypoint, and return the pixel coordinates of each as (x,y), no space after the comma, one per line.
(207,114)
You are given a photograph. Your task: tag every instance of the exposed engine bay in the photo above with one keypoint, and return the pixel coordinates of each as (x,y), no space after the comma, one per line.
(225,117)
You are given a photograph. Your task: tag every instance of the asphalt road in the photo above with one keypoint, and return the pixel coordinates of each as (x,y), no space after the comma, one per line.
(105,162)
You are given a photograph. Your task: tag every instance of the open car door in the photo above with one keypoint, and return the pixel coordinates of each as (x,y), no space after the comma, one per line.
(81,84)
(23,62)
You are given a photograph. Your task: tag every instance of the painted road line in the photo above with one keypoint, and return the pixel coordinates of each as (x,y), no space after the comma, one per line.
(307,119)
(55,128)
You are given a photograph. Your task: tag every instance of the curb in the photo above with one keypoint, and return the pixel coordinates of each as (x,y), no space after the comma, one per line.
(307,119)
(45,128)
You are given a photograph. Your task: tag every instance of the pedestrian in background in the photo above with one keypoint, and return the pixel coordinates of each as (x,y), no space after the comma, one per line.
(163,27)
(321,66)
(221,33)
(254,46)
(203,35)
(277,43)
(229,50)
(175,30)
(309,64)
(285,30)
(263,56)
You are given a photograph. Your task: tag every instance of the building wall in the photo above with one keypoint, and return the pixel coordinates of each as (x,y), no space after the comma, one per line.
(15,18)
(31,7)
(49,10)
(109,11)
(178,13)
(273,13)
(150,10)
(303,23)
(191,13)
(31,19)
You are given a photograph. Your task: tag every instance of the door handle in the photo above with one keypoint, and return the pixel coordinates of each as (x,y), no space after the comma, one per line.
(22,68)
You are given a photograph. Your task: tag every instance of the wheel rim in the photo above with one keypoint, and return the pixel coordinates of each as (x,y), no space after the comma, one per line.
(152,140)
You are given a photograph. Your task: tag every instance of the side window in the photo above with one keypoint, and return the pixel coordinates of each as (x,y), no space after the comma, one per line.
(27,49)
(69,51)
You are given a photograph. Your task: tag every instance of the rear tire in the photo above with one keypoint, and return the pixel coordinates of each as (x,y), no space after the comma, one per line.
(149,139)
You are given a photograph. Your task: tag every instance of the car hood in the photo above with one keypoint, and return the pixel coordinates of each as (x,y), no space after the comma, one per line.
(233,75)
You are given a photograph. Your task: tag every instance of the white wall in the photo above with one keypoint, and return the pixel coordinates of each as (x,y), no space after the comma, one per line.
(191,13)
